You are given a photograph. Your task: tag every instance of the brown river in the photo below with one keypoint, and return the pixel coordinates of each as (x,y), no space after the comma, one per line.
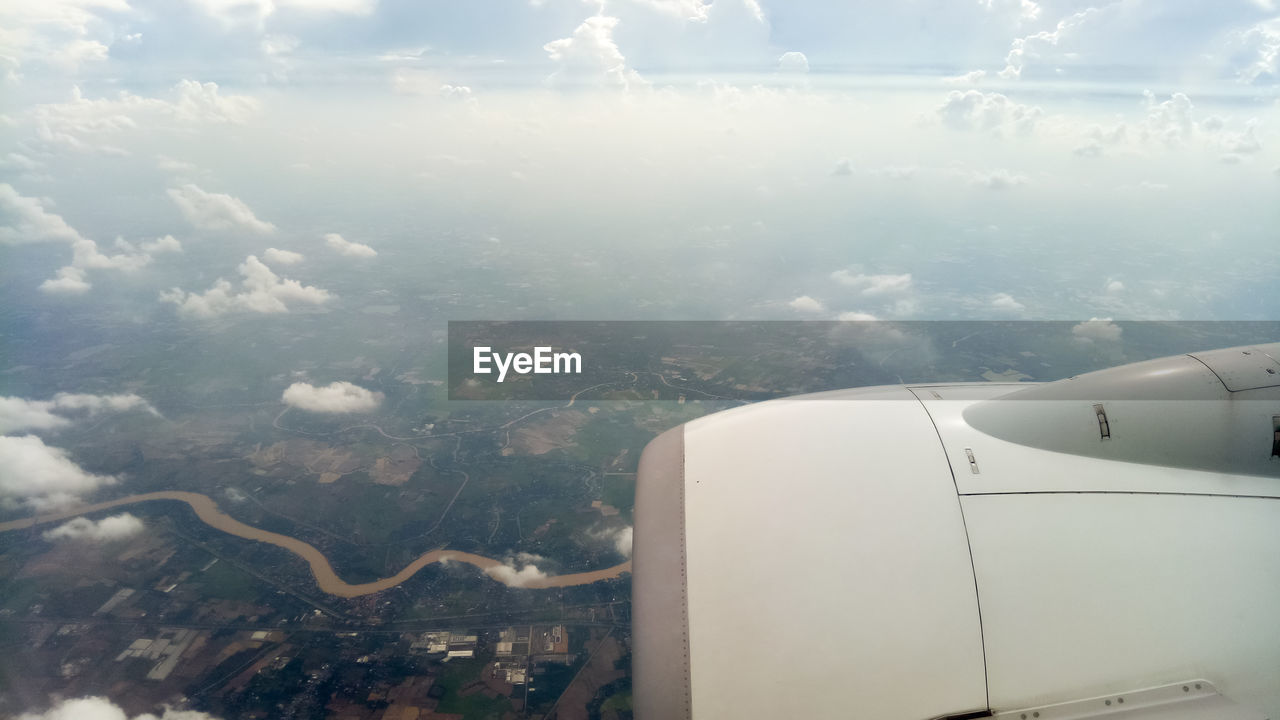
(207,510)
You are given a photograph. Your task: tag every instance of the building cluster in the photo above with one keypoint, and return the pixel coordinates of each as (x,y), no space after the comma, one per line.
(520,647)
(446,644)
(166,649)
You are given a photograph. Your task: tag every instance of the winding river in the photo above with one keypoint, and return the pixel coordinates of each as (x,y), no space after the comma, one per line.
(207,510)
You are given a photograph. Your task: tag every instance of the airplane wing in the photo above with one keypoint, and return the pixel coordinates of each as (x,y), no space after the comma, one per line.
(969,550)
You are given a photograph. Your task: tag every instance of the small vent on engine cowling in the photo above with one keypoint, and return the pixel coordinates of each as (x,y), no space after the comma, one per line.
(1104,427)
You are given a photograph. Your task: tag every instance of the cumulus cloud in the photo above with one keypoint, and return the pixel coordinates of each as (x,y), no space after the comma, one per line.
(41,476)
(518,571)
(806,304)
(856,316)
(591,56)
(620,537)
(25,220)
(276,256)
(336,397)
(348,248)
(793,62)
(19,414)
(85,255)
(166,244)
(1047,44)
(1097,329)
(987,112)
(100,708)
(69,281)
(622,540)
(873,285)
(1005,301)
(261,291)
(1258,51)
(216,211)
(115,527)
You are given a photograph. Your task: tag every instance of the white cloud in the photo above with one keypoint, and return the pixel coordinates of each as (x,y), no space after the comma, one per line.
(806,304)
(165,244)
(19,414)
(1114,287)
(687,10)
(276,256)
(1259,50)
(1046,44)
(591,56)
(261,291)
(336,397)
(348,248)
(873,285)
(843,168)
(455,91)
(168,164)
(1005,301)
(69,281)
(86,256)
(793,62)
(24,220)
(1096,138)
(1170,121)
(987,112)
(973,77)
(999,179)
(40,476)
(254,13)
(100,708)
(856,316)
(1097,329)
(88,125)
(58,33)
(519,571)
(216,211)
(203,102)
(18,161)
(277,44)
(115,527)
(621,537)
(622,540)
(1027,10)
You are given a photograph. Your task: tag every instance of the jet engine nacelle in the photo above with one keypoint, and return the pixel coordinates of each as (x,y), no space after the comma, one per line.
(1096,546)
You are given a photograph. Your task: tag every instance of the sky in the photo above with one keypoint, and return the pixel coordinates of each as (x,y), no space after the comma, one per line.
(300,171)
(995,159)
